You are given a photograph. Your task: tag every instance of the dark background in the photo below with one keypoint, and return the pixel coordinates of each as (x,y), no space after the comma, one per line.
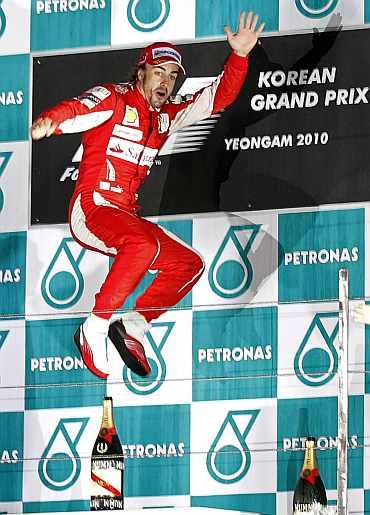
(212,178)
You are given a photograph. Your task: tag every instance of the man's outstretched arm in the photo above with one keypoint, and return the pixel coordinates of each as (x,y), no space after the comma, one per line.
(90,109)
(236,68)
(226,87)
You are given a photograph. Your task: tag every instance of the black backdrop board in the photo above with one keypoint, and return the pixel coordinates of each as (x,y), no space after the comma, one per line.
(256,156)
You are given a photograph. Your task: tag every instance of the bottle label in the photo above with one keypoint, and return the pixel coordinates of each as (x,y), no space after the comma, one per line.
(106,478)
(106,503)
(314,508)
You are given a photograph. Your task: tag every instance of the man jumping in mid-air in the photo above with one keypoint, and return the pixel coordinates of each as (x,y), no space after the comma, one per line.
(124,126)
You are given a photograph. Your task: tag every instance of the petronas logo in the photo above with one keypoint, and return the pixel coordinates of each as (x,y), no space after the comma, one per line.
(316,8)
(229,457)
(156,338)
(4,156)
(60,464)
(231,273)
(2,20)
(63,283)
(316,360)
(137,14)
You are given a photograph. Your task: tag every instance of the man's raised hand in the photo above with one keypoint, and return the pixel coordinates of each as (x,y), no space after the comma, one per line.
(247,35)
(42,127)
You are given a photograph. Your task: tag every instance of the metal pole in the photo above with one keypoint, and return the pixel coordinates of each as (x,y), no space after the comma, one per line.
(342,459)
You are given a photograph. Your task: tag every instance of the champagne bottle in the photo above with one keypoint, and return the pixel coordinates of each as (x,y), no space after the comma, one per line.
(309,493)
(107,465)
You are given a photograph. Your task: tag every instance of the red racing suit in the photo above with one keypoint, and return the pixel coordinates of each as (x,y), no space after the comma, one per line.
(122,136)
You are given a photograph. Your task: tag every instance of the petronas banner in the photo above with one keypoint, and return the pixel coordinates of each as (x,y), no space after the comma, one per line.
(297,135)
(243,369)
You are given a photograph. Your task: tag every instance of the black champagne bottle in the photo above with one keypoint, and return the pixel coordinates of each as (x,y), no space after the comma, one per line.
(107,465)
(309,492)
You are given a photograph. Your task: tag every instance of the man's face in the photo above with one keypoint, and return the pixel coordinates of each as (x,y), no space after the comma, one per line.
(157,82)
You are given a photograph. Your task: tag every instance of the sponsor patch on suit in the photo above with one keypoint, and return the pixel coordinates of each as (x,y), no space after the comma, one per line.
(131,117)
(127,132)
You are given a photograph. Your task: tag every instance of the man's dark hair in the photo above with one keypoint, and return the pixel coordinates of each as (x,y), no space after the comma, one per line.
(134,73)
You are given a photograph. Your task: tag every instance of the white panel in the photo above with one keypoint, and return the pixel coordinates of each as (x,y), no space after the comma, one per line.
(298,14)
(237,249)
(55,261)
(297,324)
(171,379)
(15,27)
(178,25)
(206,421)
(43,439)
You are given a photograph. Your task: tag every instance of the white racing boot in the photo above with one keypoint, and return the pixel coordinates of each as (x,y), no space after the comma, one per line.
(91,341)
(127,335)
